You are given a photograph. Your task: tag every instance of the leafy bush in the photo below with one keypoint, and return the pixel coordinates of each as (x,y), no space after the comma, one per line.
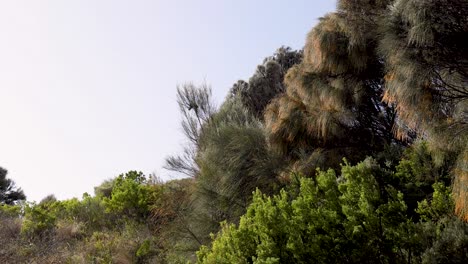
(358,217)
(39,219)
(90,210)
(131,195)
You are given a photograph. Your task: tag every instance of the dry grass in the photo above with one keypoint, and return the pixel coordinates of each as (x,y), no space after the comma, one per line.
(68,230)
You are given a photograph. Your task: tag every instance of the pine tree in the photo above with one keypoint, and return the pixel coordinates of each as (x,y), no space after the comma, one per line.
(196,107)
(426,53)
(332,106)
(9,193)
(267,81)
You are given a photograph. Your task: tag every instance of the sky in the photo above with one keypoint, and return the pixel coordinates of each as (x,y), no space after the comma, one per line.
(88,87)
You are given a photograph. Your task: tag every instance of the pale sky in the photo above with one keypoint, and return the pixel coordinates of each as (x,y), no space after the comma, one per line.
(88,87)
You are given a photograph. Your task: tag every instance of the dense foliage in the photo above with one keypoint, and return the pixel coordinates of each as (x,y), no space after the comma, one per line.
(9,193)
(352,150)
(358,216)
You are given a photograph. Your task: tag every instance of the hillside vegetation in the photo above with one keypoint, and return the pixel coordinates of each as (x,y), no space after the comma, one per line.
(351,150)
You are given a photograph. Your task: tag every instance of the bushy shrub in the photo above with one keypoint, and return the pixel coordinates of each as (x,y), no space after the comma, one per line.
(90,210)
(131,195)
(358,217)
(39,219)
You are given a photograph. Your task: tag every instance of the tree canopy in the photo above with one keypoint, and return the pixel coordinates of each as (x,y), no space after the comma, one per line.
(333,100)
(267,81)
(9,193)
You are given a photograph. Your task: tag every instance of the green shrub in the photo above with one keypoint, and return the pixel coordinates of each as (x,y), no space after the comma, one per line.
(358,217)
(39,219)
(131,195)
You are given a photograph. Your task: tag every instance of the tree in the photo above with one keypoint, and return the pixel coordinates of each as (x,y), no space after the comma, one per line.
(227,156)
(332,106)
(426,52)
(267,81)
(427,65)
(234,160)
(9,193)
(196,108)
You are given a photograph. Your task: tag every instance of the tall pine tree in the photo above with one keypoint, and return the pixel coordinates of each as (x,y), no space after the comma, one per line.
(425,48)
(332,107)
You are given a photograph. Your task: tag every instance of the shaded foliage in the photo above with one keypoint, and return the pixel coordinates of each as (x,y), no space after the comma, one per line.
(267,81)
(426,55)
(9,193)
